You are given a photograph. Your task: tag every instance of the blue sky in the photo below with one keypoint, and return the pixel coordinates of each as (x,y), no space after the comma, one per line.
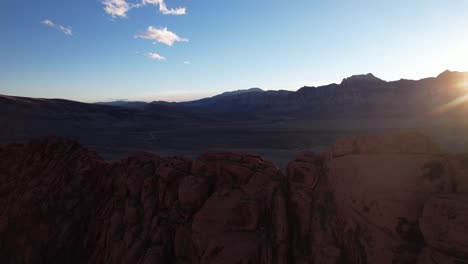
(80,50)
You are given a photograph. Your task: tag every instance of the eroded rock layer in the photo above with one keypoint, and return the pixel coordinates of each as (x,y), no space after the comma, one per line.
(377,199)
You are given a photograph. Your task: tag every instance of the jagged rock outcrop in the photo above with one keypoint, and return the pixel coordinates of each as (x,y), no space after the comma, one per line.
(49,193)
(63,204)
(368,199)
(245,219)
(391,198)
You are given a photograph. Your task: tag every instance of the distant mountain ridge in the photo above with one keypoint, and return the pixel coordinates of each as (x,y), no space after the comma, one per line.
(251,90)
(356,96)
(124,103)
(362,99)
(141,104)
(361,79)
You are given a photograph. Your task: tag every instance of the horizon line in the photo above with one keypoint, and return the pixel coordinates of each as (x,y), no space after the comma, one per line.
(110,100)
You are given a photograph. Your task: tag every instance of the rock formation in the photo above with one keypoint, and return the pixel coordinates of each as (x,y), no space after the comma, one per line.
(375,199)
(63,204)
(369,197)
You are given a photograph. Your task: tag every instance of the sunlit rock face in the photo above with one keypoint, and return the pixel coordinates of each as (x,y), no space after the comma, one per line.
(391,198)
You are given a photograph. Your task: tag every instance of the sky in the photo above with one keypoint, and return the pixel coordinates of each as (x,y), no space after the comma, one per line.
(178,50)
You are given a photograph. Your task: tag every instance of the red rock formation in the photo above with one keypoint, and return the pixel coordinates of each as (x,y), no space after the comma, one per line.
(444,224)
(63,204)
(50,191)
(377,199)
(369,196)
(245,219)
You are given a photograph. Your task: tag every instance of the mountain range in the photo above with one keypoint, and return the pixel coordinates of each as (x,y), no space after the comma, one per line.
(356,96)
(278,122)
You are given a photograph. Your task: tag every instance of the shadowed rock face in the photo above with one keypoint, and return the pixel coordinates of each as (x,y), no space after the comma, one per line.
(369,197)
(63,204)
(375,199)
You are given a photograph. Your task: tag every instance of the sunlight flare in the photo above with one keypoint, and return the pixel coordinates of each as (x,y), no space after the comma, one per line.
(452,104)
(462,84)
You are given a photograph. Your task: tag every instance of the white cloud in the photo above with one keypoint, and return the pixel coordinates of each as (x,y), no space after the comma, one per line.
(163,8)
(66,30)
(187,62)
(155,56)
(48,22)
(120,8)
(116,8)
(161,35)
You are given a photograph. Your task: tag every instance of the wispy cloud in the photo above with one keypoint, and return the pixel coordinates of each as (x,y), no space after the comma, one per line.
(155,56)
(161,35)
(163,8)
(48,22)
(120,8)
(67,30)
(187,62)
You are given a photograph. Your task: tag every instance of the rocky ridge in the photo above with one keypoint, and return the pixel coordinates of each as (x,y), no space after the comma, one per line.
(391,198)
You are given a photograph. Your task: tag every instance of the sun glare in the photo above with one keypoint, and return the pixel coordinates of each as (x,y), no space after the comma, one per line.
(462,84)
(452,104)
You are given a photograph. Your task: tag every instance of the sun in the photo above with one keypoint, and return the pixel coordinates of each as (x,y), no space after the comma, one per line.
(462,84)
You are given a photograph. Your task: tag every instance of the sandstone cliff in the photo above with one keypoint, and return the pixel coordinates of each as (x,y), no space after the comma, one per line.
(376,199)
